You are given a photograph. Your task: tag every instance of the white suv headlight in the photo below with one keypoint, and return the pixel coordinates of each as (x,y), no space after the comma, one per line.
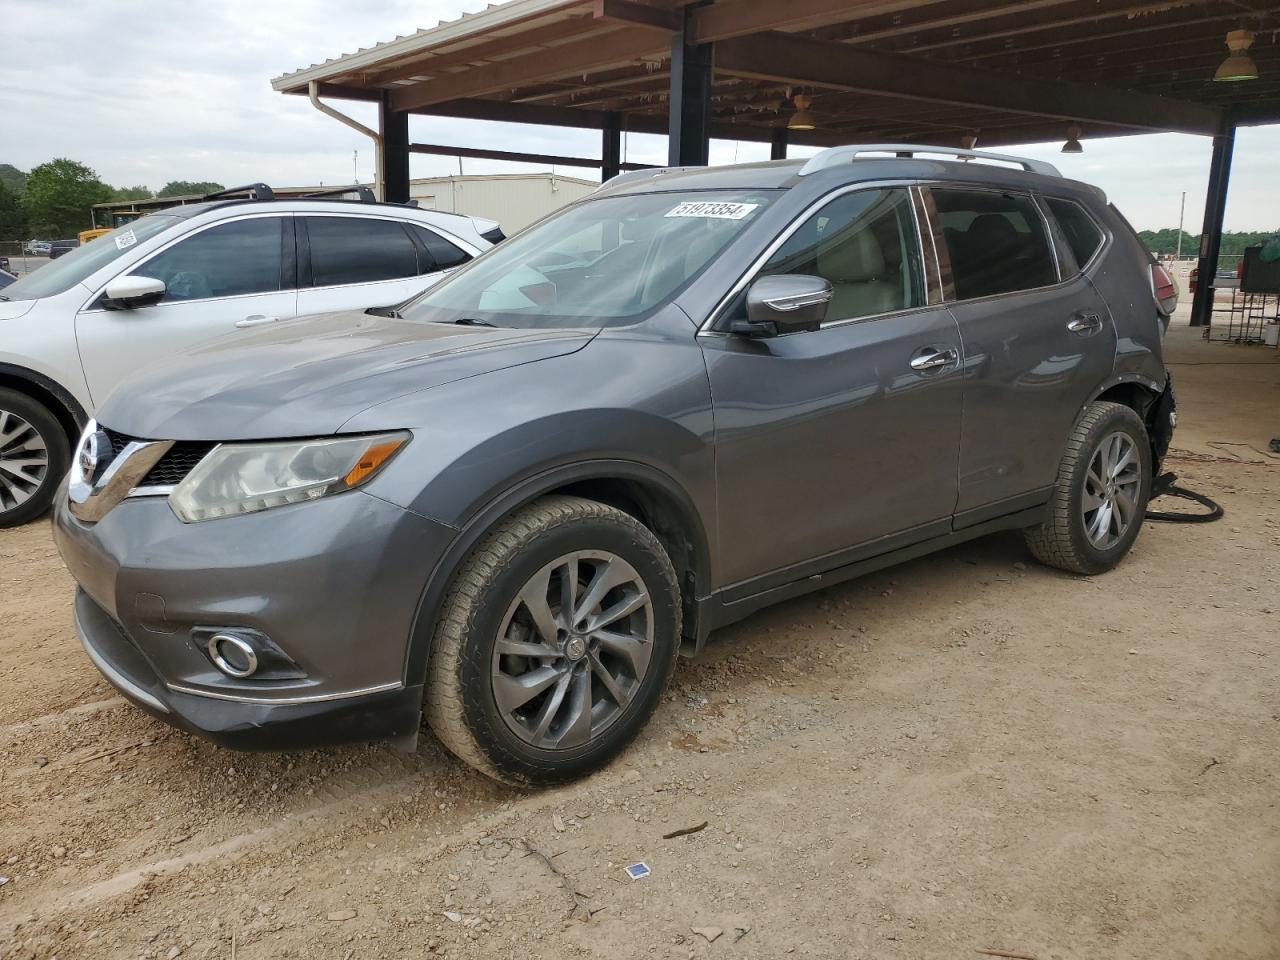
(238,478)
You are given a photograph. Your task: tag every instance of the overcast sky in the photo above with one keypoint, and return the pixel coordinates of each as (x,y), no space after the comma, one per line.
(146,91)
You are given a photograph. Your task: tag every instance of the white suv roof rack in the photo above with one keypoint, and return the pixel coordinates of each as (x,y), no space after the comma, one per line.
(835,156)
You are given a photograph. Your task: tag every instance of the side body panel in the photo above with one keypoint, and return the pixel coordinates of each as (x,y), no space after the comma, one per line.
(828,439)
(1026,379)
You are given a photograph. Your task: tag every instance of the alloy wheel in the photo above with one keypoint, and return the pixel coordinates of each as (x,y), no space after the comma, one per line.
(1111,488)
(24,461)
(573,649)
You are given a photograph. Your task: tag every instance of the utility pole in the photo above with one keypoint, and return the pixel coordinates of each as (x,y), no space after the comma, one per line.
(355,169)
(1181,213)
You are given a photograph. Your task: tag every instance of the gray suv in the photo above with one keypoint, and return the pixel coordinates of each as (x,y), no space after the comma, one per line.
(508,503)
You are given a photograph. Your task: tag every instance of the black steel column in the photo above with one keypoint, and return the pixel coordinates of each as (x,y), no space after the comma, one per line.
(610,147)
(689,105)
(778,144)
(394,127)
(1215,208)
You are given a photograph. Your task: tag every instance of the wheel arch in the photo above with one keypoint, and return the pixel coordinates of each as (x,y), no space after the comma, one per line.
(643,491)
(48,392)
(1152,402)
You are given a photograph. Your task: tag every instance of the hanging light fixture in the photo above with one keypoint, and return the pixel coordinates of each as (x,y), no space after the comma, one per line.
(969,140)
(1238,65)
(802,119)
(1073,144)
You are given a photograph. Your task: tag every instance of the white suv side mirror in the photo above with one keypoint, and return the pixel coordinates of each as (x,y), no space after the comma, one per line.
(125,293)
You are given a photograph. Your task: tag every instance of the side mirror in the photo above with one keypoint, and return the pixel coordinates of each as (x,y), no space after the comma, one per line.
(784,303)
(125,293)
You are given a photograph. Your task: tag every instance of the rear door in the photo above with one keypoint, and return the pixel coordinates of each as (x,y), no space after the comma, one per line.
(1038,341)
(351,262)
(834,438)
(228,276)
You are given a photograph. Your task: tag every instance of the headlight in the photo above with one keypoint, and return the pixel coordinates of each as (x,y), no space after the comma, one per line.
(238,478)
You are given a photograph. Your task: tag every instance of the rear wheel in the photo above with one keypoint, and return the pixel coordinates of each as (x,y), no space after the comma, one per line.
(34,456)
(1101,495)
(556,640)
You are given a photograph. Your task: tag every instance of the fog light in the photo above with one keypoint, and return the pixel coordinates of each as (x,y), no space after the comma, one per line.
(233,655)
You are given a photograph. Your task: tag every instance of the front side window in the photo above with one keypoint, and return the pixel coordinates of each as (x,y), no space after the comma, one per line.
(228,260)
(359,250)
(865,244)
(1078,228)
(601,261)
(996,241)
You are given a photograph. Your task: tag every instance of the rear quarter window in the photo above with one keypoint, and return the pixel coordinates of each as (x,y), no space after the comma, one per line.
(1083,235)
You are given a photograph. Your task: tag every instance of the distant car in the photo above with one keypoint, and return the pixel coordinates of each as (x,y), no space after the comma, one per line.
(60,247)
(1222,273)
(36,248)
(75,327)
(6,277)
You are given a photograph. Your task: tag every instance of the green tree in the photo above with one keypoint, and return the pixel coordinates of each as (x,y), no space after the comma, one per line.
(181,188)
(13,218)
(58,197)
(131,193)
(13,178)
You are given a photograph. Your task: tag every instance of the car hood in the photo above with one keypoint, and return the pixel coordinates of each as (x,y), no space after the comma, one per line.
(307,377)
(13,309)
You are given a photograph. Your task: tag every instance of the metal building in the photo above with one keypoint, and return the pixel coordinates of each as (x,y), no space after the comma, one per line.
(514,200)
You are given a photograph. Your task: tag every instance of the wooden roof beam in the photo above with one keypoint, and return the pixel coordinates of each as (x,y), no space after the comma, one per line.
(784,58)
(569,59)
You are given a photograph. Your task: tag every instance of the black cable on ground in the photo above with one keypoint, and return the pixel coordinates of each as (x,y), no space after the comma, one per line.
(1164,486)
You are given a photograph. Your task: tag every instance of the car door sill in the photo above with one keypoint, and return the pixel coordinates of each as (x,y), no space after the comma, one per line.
(740,600)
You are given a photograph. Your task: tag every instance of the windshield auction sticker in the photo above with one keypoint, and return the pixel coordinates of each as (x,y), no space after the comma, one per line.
(126,239)
(711,209)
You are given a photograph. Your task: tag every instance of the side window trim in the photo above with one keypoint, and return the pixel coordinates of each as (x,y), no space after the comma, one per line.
(710,326)
(93,303)
(948,276)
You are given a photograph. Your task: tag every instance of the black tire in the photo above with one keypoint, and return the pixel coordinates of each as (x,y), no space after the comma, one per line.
(1063,541)
(37,500)
(460,703)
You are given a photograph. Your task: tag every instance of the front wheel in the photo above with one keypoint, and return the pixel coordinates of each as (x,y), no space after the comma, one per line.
(34,457)
(555,642)
(1101,494)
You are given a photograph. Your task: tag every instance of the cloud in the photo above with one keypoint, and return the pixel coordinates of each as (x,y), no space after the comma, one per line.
(146,91)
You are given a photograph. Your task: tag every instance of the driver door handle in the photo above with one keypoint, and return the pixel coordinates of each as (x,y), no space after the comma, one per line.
(1085,324)
(931,358)
(256,320)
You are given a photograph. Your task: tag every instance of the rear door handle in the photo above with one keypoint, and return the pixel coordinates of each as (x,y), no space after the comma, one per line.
(256,320)
(1085,324)
(932,358)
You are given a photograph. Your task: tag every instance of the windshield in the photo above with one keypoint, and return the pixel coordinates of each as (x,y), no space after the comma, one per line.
(597,263)
(62,274)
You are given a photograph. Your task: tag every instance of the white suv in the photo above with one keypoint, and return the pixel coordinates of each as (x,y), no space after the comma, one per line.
(72,329)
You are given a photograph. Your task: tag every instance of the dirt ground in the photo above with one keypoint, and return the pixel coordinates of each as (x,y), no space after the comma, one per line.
(965,754)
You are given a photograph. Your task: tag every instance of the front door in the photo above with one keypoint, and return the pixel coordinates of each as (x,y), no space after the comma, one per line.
(1036,345)
(838,437)
(228,277)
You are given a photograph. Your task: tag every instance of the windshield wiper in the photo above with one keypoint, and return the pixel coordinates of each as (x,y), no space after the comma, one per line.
(473,322)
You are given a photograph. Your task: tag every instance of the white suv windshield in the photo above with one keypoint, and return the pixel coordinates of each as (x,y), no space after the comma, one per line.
(64,273)
(600,261)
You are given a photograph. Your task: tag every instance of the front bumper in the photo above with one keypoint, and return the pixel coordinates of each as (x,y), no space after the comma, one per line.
(334,583)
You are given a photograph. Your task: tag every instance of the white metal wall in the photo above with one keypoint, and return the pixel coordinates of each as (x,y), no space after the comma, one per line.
(514,200)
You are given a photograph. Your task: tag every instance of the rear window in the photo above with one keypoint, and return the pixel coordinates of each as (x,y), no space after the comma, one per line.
(1083,236)
(997,242)
(359,250)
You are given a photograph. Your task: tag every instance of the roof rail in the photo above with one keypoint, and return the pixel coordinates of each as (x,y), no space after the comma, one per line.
(835,156)
(254,191)
(363,193)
